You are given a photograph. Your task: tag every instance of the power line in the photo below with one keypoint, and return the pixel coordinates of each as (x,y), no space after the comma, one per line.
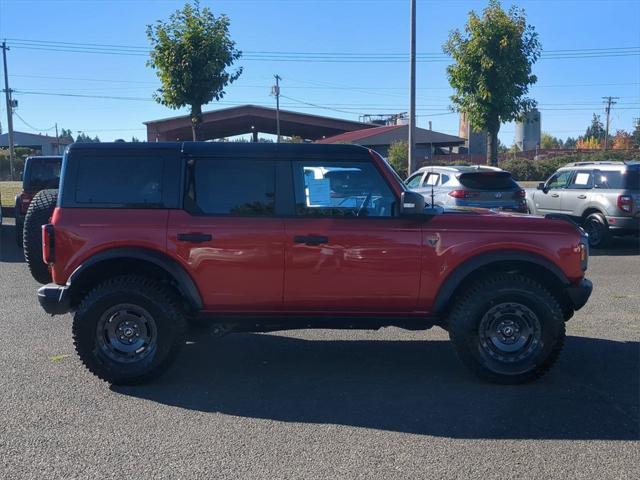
(31,126)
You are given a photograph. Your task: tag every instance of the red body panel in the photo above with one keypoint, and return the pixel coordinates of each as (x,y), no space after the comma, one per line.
(368,265)
(81,233)
(241,268)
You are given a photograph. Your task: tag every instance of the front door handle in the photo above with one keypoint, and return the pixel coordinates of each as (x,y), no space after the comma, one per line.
(311,240)
(582,197)
(555,195)
(194,237)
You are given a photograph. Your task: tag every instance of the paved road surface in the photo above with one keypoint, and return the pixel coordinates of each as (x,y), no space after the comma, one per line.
(323,404)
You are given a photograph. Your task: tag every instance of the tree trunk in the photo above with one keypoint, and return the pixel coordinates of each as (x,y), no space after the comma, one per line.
(196,122)
(492,146)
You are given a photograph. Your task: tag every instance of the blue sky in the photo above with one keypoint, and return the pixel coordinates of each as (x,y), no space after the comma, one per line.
(569,90)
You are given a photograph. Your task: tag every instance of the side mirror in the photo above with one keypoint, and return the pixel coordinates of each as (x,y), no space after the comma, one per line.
(541,186)
(411,203)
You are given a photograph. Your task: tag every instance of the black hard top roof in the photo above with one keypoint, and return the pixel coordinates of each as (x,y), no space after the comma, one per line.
(222,148)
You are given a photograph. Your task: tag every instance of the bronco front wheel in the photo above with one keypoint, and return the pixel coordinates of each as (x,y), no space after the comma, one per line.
(507,329)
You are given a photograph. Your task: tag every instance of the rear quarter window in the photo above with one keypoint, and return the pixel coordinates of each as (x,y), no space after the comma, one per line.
(128,181)
(617,180)
(42,174)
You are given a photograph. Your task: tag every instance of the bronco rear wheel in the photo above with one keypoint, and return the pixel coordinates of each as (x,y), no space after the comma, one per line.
(128,330)
(38,214)
(507,329)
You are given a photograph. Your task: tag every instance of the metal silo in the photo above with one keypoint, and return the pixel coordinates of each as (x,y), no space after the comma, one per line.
(528,131)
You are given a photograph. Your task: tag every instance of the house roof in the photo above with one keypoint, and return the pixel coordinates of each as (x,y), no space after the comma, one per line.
(389,134)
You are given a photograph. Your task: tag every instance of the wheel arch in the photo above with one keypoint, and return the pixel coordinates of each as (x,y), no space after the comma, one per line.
(530,264)
(138,261)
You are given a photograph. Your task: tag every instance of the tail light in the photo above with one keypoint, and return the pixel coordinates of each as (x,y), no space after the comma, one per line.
(519,194)
(463,194)
(625,203)
(48,244)
(25,201)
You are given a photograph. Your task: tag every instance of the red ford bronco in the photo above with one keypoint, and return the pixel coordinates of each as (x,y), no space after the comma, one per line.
(265,237)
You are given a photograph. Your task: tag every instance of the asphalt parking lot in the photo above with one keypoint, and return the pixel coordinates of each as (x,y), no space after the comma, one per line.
(323,404)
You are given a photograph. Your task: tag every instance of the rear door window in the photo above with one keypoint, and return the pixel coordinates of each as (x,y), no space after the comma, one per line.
(236,187)
(432,179)
(127,181)
(581,180)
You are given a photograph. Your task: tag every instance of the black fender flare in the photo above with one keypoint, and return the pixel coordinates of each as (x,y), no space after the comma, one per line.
(166,263)
(462,271)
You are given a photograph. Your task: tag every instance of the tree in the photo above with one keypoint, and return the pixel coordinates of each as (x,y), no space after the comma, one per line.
(623,140)
(636,135)
(65,135)
(492,70)
(84,138)
(596,129)
(549,142)
(192,53)
(570,142)
(135,140)
(589,143)
(397,157)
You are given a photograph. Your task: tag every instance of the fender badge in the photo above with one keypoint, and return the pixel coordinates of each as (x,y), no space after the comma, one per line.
(433,240)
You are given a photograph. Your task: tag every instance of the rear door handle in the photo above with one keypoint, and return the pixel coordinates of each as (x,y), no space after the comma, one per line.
(311,240)
(582,197)
(194,237)
(555,195)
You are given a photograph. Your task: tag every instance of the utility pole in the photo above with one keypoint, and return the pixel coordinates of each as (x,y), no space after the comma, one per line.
(609,101)
(412,90)
(57,140)
(7,94)
(275,90)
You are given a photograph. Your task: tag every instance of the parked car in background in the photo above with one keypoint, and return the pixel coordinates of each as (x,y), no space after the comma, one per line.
(265,237)
(469,186)
(40,173)
(603,197)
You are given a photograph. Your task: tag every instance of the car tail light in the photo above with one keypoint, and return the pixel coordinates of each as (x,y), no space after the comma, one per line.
(463,194)
(25,201)
(519,194)
(48,244)
(625,203)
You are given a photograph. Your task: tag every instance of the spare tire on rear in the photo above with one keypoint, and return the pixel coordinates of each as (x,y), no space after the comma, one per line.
(39,212)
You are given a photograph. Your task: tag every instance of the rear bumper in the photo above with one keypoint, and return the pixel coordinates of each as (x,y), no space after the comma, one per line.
(624,224)
(580,293)
(54,298)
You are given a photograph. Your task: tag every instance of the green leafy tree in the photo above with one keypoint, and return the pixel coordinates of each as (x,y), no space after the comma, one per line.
(492,70)
(192,53)
(596,129)
(84,138)
(397,157)
(135,140)
(636,135)
(570,142)
(549,142)
(65,135)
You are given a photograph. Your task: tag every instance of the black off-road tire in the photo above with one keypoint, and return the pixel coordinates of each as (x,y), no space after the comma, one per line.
(38,214)
(127,294)
(505,298)
(598,229)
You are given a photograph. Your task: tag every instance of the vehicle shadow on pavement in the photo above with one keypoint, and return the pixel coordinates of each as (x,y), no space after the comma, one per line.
(9,251)
(404,386)
(620,246)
